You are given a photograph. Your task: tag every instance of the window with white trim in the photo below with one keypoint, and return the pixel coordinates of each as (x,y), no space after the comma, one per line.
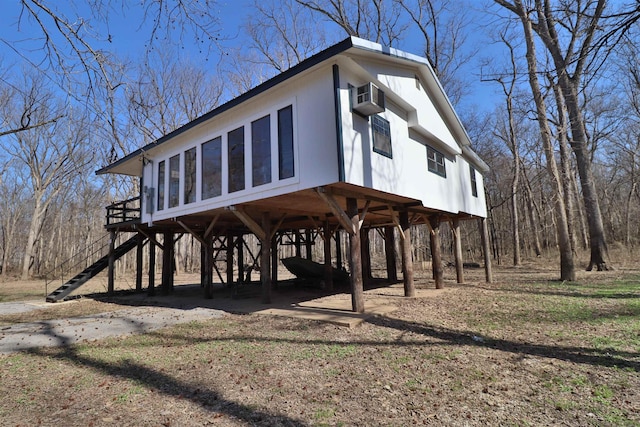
(435,162)
(474,184)
(381,136)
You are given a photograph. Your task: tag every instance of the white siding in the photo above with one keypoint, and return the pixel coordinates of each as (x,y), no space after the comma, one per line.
(406,173)
(315,146)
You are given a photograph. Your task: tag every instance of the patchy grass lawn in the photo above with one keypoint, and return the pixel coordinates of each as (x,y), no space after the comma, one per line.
(522,351)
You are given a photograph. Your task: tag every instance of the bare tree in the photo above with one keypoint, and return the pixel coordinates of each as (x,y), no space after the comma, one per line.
(508,134)
(444,26)
(283,33)
(375,20)
(166,95)
(578,37)
(567,268)
(51,154)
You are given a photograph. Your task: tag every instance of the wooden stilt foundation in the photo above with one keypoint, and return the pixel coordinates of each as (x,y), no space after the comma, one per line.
(265,259)
(390,253)
(151,290)
(436,251)
(484,234)
(407,260)
(355,262)
(457,243)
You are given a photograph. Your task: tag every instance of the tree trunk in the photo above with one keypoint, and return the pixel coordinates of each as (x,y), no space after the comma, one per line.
(567,268)
(597,239)
(35,226)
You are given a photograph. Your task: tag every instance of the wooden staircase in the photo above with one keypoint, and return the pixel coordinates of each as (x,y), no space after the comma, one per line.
(62,293)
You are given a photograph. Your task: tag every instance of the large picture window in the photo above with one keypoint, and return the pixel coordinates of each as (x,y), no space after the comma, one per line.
(190,175)
(174,181)
(381,135)
(235,142)
(285,142)
(212,168)
(261,151)
(435,161)
(161,175)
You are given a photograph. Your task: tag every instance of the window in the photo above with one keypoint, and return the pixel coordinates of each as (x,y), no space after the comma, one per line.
(235,143)
(285,142)
(161,174)
(435,161)
(474,184)
(190,175)
(212,168)
(381,136)
(261,151)
(174,181)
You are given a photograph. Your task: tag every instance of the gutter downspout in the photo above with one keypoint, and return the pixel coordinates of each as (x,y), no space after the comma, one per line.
(338,113)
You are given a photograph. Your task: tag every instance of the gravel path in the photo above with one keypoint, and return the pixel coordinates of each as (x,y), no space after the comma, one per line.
(62,332)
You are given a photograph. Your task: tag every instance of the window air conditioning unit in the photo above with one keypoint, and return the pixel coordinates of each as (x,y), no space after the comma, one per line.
(368,99)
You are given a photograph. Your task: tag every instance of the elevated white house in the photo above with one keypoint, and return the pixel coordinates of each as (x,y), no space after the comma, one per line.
(358,136)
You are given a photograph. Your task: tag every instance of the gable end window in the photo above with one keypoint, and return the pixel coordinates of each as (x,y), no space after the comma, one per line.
(435,162)
(381,136)
(474,184)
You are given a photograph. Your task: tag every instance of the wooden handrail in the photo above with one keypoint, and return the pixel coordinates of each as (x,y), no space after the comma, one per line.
(121,212)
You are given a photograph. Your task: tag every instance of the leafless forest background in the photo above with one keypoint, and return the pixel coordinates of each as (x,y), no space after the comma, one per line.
(562,135)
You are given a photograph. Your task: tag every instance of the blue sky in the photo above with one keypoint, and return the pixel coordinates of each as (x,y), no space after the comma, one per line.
(129,40)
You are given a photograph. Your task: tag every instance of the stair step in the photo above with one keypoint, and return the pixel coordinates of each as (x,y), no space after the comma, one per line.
(90,272)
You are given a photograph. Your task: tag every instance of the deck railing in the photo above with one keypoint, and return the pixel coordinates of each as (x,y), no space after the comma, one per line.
(124,212)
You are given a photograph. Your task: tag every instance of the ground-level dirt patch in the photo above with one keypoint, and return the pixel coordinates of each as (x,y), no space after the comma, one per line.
(525,350)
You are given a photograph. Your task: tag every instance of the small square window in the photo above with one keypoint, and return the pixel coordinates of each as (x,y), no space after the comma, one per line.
(381,136)
(435,162)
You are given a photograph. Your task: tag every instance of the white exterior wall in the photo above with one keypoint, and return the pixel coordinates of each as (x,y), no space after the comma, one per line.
(314,139)
(406,173)
(414,123)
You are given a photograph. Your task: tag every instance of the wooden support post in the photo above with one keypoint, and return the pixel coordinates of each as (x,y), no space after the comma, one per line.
(338,239)
(230,245)
(407,261)
(390,253)
(112,262)
(365,250)
(484,234)
(328,268)
(151,291)
(457,245)
(308,244)
(167,263)
(207,247)
(139,261)
(274,260)
(436,251)
(298,243)
(355,262)
(203,262)
(265,259)
(240,249)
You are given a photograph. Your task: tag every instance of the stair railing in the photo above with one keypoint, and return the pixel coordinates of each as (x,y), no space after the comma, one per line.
(83,258)
(123,212)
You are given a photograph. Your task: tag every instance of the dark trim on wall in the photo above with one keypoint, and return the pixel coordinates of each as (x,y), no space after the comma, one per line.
(338,112)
